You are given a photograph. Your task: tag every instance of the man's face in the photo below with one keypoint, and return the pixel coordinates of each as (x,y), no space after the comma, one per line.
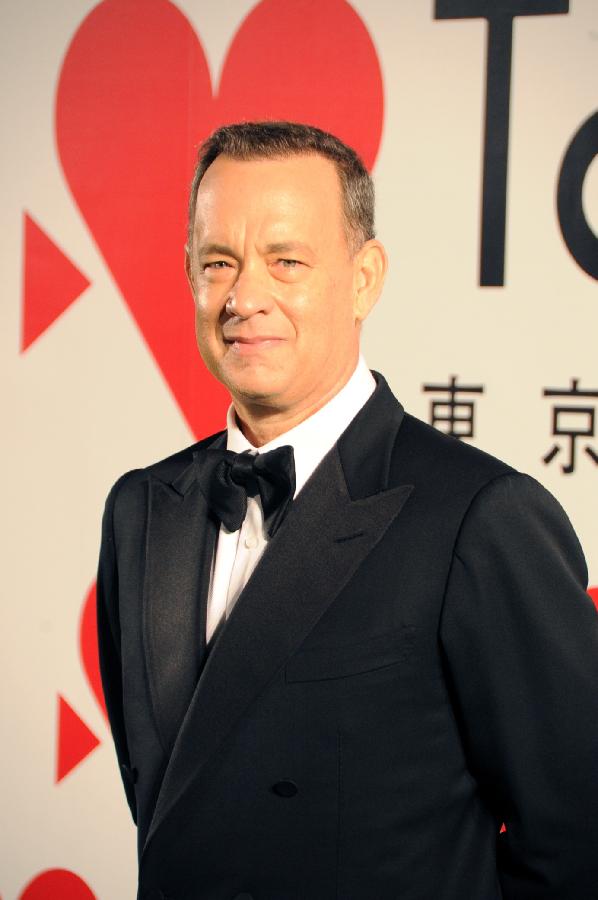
(274,280)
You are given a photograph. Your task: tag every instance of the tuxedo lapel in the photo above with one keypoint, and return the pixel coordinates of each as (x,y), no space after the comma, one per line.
(181,537)
(330,529)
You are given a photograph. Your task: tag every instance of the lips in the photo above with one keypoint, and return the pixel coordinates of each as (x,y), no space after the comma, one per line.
(245,346)
(251,341)
(257,339)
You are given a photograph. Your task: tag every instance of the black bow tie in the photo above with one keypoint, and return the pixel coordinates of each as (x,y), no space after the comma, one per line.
(227,479)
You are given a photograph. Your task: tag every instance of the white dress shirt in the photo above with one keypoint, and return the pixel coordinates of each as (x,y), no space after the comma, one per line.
(238,552)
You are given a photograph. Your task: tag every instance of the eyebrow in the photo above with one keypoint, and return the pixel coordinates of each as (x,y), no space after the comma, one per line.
(288,247)
(275,247)
(220,249)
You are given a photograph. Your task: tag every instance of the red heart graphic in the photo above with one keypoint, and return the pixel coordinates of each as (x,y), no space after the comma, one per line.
(88,647)
(135,99)
(57,883)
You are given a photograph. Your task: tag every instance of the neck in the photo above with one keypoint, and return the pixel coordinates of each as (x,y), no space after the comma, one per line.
(261,423)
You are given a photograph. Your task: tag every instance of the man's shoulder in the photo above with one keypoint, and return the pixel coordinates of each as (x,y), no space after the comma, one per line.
(428,455)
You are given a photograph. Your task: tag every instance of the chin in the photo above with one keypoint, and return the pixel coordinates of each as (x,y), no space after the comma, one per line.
(256,393)
(259,385)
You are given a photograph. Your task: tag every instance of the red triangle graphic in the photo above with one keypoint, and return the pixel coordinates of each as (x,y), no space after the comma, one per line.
(75,740)
(593,592)
(50,282)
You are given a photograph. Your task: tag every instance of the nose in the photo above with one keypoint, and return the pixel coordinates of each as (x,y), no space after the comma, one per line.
(249,295)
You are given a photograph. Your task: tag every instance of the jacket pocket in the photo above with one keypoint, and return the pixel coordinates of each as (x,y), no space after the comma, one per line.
(321,663)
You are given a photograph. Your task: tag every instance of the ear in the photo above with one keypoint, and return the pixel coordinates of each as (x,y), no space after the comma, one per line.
(189,270)
(370,265)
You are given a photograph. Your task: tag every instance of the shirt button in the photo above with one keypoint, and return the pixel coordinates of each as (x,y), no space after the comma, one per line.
(250,542)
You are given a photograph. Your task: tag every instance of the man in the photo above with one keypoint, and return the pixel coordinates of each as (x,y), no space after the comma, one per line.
(334,672)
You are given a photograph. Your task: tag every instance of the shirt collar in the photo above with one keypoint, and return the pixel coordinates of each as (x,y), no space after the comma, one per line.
(313,438)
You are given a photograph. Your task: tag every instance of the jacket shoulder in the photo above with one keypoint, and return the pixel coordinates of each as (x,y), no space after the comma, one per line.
(490,497)
(441,460)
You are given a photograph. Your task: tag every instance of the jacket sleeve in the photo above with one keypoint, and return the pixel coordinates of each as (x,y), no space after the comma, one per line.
(520,641)
(109,644)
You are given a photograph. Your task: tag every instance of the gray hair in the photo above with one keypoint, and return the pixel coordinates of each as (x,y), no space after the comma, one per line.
(262,140)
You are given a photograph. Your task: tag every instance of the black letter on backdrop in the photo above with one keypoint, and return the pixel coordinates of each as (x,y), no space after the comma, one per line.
(577,234)
(500,15)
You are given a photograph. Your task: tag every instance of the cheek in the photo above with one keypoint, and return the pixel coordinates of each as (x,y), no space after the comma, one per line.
(200,320)
(205,336)
(326,315)
(207,313)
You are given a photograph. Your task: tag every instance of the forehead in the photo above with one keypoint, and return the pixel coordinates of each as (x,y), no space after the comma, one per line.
(303,189)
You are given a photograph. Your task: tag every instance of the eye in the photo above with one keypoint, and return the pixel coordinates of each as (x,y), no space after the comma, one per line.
(289,263)
(216,264)
(287,269)
(216,270)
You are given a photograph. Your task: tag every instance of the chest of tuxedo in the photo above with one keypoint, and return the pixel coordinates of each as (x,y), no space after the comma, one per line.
(346,599)
(326,761)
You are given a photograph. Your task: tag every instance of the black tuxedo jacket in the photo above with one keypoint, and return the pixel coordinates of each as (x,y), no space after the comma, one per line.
(413,662)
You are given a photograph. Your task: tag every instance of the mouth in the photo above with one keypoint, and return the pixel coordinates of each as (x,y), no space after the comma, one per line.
(246,346)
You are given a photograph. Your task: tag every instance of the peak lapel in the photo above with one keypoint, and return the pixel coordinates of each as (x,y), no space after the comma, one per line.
(305,566)
(180,544)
